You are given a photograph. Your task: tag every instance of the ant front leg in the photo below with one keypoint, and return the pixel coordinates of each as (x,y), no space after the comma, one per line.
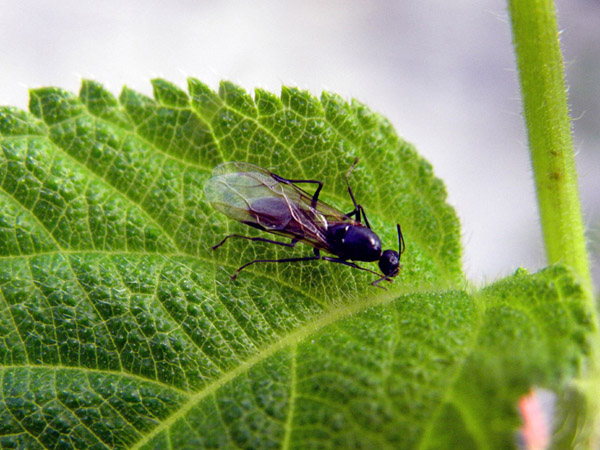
(358,209)
(357,214)
(355,266)
(385,277)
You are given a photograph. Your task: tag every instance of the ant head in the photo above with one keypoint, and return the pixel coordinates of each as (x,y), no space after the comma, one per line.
(389,262)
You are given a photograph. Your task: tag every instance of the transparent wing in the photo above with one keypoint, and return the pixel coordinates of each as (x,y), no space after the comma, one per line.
(254,196)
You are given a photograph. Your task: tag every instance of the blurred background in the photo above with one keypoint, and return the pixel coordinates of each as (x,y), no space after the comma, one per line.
(442,72)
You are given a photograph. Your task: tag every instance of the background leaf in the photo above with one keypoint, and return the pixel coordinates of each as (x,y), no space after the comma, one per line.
(120,327)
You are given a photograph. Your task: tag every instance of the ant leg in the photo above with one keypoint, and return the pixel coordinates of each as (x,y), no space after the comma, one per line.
(362,210)
(376,282)
(386,278)
(356,212)
(315,198)
(349,264)
(285,244)
(306,258)
(358,209)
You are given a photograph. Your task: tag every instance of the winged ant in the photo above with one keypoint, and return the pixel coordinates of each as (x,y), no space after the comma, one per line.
(268,202)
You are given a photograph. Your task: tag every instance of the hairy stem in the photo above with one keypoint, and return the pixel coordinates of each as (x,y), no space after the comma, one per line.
(541,74)
(540,65)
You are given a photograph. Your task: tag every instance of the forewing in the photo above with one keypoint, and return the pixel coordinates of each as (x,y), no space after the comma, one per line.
(235,186)
(238,189)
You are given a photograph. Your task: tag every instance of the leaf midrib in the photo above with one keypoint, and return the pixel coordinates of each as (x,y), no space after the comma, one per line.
(298,335)
(211,261)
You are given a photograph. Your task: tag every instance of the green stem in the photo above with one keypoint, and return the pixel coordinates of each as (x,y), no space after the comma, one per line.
(540,65)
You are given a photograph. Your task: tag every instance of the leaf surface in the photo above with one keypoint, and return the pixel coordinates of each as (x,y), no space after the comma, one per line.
(121,329)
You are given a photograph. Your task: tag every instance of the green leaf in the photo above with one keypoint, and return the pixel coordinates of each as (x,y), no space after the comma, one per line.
(121,328)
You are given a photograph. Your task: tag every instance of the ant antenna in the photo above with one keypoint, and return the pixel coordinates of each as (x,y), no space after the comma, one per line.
(401,244)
